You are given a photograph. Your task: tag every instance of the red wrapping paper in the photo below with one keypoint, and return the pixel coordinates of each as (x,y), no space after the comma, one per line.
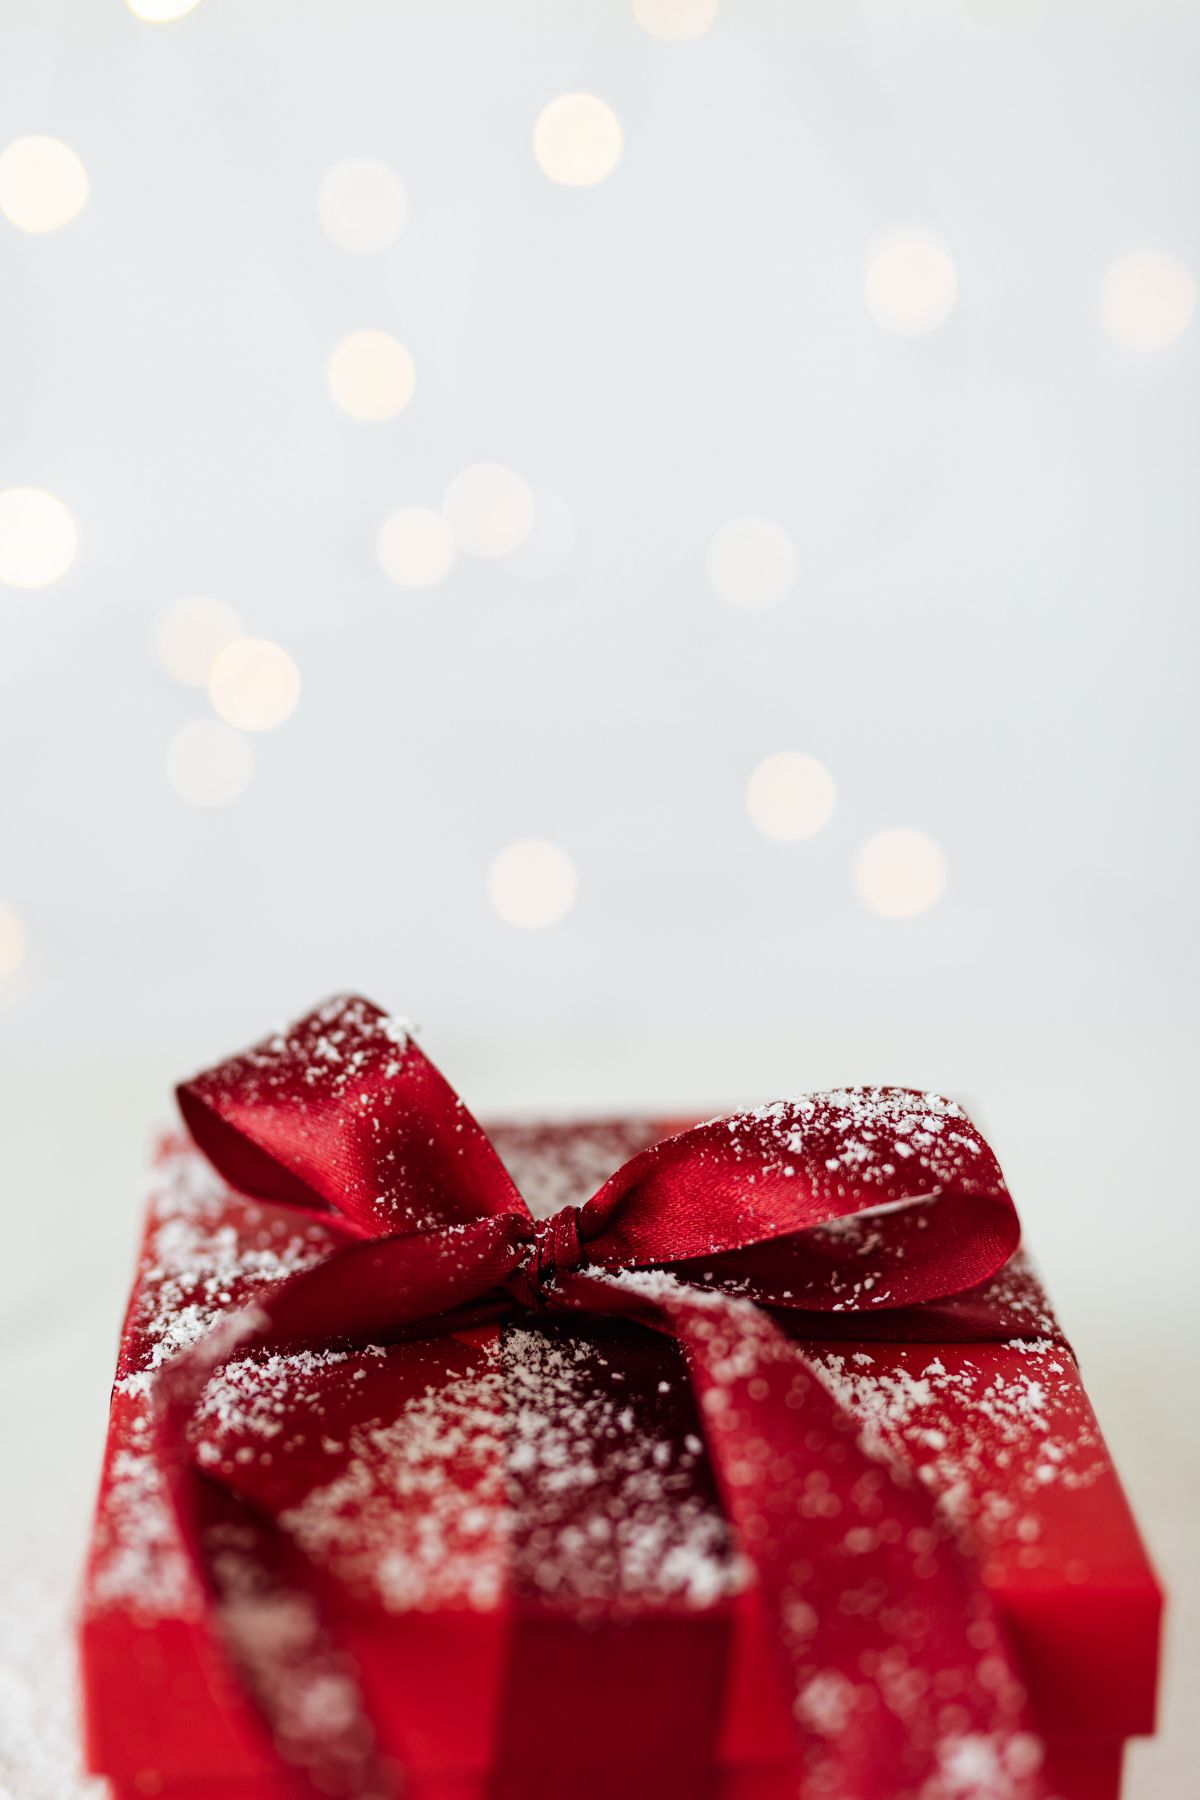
(478,1662)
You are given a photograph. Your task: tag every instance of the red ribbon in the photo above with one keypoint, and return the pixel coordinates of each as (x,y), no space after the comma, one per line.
(866,1212)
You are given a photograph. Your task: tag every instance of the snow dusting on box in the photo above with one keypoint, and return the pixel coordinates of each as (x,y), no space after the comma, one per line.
(540,1464)
(539,1469)
(206,1252)
(610,1500)
(988,1443)
(535,1459)
(556,1166)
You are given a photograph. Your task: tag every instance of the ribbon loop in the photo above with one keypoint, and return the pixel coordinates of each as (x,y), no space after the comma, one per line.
(343,1112)
(856,1200)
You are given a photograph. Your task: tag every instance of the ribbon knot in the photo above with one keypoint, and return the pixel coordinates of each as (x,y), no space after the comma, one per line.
(554,1247)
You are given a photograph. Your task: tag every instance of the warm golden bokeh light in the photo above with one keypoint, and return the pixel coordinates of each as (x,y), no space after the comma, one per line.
(790,795)
(14,940)
(43,184)
(415,547)
(362,206)
(910,284)
(254,684)
(675,20)
(1147,300)
(901,873)
(751,562)
(577,140)
(490,509)
(161,12)
(190,633)
(371,376)
(209,764)
(38,538)
(532,884)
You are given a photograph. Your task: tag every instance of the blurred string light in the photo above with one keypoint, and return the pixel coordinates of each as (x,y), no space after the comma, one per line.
(1147,300)
(371,376)
(209,764)
(38,538)
(415,547)
(910,284)
(362,206)
(253,684)
(490,509)
(751,562)
(43,184)
(161,12)
(577,140)
(189,634)
(675,20)
(14,940)
(532,884)
(790,795)
(900,873)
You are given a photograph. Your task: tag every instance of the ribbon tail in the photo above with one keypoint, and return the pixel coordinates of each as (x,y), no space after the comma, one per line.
(267,1598)
(902,1683)
(266,1593)
(264,1596)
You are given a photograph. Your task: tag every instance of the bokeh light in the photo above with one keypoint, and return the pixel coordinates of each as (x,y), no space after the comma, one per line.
(1147,300)
(190,633)
(532,884)
(38,538)
(209,764)
(43,184)
(900,873)
(911,284)
(371,376)
(14,940)
(577,140)
(790,795)
(675,20)
(751,562)
(161,12)
(490,509)
(254,684)
(362,206)
(415,547)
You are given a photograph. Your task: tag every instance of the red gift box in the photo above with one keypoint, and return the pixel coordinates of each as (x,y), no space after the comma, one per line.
(514,1538)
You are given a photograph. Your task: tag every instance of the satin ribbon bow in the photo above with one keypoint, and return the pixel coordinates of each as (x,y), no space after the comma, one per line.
(864,1212)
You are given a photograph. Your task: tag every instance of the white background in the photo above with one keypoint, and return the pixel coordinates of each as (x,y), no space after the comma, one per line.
(989,638)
